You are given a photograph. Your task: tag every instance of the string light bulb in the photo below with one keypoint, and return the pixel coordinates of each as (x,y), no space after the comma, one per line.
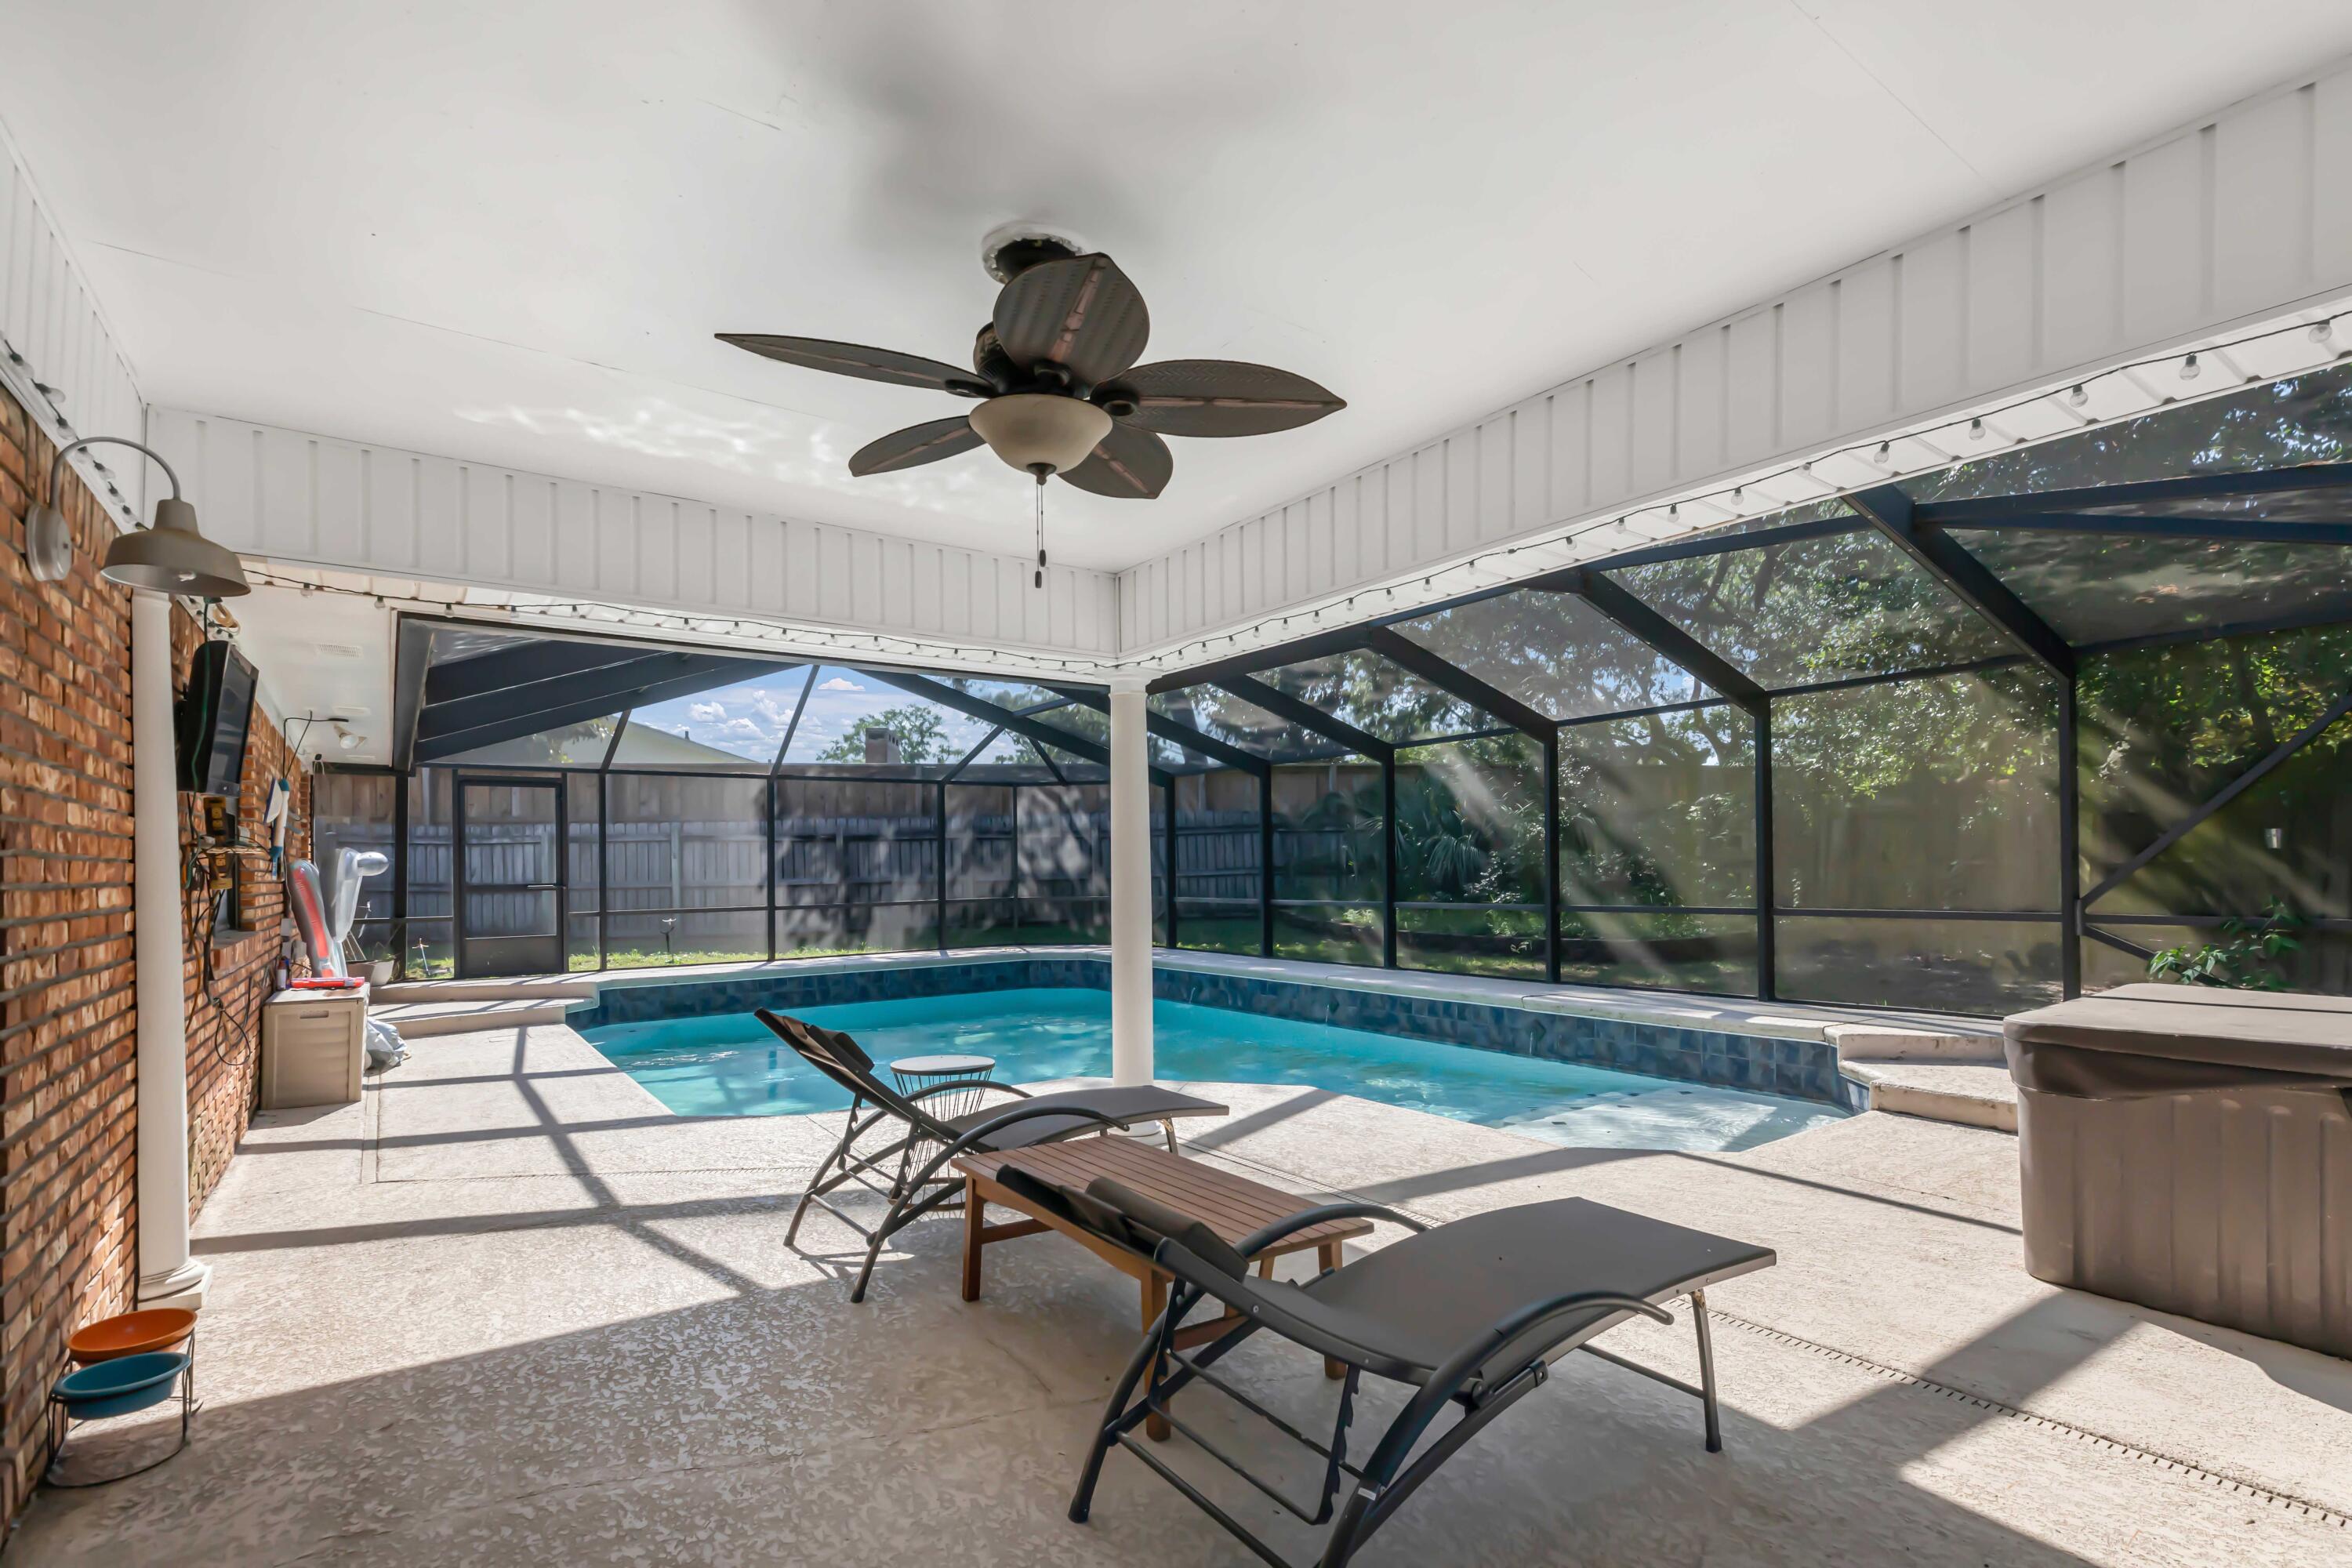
(2078,397)
(2189,370)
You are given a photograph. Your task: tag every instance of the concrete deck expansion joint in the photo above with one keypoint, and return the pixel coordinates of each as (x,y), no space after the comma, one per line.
(542,1318)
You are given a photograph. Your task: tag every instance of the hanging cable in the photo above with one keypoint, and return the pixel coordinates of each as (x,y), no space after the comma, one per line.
(1042,470)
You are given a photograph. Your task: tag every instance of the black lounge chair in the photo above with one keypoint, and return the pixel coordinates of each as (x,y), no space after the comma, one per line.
(914,1192)
(1470,1313)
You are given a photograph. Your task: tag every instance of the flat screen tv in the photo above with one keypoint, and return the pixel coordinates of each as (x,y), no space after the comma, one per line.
(214,713)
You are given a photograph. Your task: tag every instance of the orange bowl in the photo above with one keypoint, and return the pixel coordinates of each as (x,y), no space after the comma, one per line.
(132,1334)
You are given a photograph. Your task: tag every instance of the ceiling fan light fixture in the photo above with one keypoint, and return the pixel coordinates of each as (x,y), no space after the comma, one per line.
(1028,429)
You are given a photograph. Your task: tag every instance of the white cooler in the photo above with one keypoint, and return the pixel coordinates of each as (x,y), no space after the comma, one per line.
(313,1045)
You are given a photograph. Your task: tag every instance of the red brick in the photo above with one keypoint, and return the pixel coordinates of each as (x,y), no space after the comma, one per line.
(67,1020)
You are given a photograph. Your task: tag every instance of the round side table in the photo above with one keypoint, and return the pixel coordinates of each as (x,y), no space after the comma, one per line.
(915,1074)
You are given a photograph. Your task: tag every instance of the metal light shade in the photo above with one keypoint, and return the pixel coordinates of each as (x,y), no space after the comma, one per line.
(1034,429)
(172,557)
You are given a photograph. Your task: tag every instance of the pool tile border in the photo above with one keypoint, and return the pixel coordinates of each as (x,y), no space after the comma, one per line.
(1800,1069)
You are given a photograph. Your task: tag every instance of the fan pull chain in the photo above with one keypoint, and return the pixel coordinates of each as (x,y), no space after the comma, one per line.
(1041,526)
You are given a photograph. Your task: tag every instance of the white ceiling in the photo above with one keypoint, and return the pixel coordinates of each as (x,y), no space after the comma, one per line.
(323,657)
(505,232)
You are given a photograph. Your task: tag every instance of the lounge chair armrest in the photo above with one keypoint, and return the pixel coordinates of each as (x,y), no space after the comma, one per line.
(975,1137)
(1535,1312)
(966,1083)
(1454,1376)
(1258,1241)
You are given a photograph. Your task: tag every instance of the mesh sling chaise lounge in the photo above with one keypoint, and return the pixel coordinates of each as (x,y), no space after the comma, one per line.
(1470,1313)
(916,1192)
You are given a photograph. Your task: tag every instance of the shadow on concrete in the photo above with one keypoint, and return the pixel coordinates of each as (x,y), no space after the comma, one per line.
(773,1421)
(1403,1189)
(779,1423)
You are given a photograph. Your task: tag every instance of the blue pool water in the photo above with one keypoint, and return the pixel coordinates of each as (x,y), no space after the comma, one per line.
(728,1065)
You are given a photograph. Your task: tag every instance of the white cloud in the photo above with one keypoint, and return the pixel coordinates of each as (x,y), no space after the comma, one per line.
(840,683)
(707,712)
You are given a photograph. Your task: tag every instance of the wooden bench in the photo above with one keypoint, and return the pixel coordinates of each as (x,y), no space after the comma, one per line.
(1234,1206)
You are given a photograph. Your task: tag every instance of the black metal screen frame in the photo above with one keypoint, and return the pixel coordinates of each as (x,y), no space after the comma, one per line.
(1917,529)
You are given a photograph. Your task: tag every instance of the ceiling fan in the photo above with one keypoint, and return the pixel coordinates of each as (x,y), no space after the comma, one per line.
(1059,390)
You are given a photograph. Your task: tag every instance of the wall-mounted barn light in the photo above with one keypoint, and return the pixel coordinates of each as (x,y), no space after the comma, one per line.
(171,557)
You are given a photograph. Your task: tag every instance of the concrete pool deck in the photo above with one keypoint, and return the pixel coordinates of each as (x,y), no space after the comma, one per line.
(507,1309)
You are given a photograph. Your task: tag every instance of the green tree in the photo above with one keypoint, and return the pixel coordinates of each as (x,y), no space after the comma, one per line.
(922,737)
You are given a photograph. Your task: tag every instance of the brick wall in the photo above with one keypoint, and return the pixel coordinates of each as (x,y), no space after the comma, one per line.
(69,1240)
(65,1023)
(228,976)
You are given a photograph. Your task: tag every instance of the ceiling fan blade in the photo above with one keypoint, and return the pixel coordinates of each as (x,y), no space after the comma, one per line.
(914,445)
(1222,397)
(856,359)
(1080,312)
(1132,465)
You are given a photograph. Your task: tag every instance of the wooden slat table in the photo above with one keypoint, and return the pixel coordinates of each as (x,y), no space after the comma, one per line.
(1231,1205)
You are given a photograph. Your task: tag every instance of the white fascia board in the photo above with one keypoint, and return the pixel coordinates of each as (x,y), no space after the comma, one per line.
(2231,237)
(58,355)
(526,545)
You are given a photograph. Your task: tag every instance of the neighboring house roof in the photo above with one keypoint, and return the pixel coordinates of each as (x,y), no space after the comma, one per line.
(645,744)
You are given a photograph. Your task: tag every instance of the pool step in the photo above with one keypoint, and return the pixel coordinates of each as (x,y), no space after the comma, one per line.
(422,1020)
(1969,1094)
(517,988)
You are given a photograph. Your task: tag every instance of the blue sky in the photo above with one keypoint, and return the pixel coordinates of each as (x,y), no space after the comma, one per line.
(749,720)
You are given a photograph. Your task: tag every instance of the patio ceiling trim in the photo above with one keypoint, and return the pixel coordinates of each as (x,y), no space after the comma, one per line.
(1982,330)
(59,355)
(297,496)
(1891,511)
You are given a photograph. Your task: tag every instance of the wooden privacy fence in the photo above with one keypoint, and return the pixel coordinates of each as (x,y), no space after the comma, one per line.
(712,866)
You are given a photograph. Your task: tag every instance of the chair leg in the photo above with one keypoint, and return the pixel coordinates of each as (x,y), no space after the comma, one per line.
(840,1156)
(904,1211)
(1146,1356)
(1706,1373)
(873,1251)
(1169,1127)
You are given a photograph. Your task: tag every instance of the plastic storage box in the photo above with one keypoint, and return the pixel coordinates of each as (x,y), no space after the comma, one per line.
(2191,1151)
(313,1046)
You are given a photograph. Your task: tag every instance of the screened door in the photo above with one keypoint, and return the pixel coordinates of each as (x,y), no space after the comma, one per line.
(510,892)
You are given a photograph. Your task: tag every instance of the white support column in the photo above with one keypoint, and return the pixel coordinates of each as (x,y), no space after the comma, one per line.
(168,1277)
(1130,887)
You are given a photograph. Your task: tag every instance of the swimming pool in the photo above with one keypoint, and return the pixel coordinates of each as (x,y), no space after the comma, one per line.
(728,1065)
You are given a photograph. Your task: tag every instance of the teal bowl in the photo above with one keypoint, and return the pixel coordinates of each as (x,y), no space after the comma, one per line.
(120,1387)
